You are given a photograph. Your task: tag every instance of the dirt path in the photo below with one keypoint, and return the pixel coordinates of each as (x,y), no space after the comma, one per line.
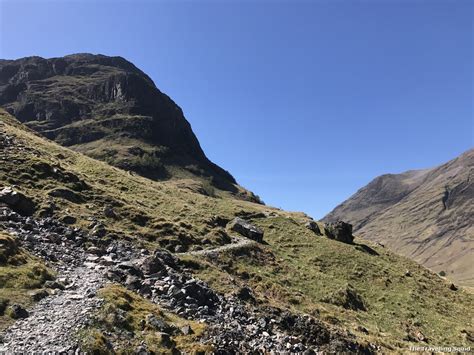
(237,243)
(55,319)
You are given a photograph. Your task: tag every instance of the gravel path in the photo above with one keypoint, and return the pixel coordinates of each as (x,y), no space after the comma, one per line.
(55,319)
(237,243)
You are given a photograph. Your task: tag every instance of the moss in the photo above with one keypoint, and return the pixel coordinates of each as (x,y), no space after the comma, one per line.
(123,317)
(302,271)
(20,273)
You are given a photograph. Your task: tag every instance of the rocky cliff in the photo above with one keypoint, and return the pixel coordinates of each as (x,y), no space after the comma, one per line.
(427,215)
(109,109)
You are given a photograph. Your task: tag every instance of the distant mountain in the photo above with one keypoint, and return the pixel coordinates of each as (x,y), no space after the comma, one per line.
(427,215)
(109,109)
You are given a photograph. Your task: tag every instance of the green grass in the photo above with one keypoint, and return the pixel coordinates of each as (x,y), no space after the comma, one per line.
(20,275)
(300,270)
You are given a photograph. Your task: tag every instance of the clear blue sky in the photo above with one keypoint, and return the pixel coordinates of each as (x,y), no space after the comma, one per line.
(303,102)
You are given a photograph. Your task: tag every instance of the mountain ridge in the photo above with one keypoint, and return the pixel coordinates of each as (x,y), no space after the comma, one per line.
(390,210)
(111,110)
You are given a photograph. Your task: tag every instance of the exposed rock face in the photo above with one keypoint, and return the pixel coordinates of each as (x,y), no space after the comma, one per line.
(247,229)
(313,226)
(107,108)
(340,231)
(427,215)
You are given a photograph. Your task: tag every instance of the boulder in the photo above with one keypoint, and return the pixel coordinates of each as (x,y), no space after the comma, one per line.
(17,201)
(246,229)
(158,262)
(340,231)
(160,325)
(313,226)
(16,312)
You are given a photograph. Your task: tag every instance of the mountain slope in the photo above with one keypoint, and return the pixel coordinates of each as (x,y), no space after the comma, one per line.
(107,108)
(297,288)
(427,215)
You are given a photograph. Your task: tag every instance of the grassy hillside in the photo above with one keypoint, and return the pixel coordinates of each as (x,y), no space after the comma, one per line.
(366,290)
(426,215)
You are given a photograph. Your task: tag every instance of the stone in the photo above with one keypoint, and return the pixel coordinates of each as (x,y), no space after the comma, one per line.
(95,250)
(166,340)
(160,325)
(340,231)
(186,330)
(17,201)
(38,295)
(16,312)
(109,212)
(246,229)
(453,287)
(313,226)
(54,285)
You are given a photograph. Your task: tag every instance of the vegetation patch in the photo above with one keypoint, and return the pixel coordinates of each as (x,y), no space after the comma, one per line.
(127,322)
(21,277)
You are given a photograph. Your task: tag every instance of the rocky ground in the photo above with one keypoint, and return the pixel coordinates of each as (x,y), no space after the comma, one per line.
(84,263)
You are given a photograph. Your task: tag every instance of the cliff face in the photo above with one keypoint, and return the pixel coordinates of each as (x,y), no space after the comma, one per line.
(109,109)
(427,215)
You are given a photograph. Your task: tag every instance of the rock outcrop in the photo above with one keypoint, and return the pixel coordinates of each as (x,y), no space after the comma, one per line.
(246,229)
(340,231)
(107,108)
(17,201)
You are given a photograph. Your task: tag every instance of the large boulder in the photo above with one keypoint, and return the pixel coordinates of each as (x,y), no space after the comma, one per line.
(340,231)
(17,201)
(158,262)
(246,229)
(313,226)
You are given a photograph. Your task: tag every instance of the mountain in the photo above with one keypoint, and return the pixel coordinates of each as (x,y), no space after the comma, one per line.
(97,259)
(108,109)
(427,215)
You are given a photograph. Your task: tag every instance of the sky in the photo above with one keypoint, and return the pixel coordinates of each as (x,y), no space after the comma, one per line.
(304,102)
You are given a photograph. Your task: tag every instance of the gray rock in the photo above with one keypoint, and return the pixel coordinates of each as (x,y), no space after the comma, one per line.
(246,229)
(158,324)
(17,201)
(313,226)
(38,295)
(54,285)
(17,312)
(340,231)
(186,330)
